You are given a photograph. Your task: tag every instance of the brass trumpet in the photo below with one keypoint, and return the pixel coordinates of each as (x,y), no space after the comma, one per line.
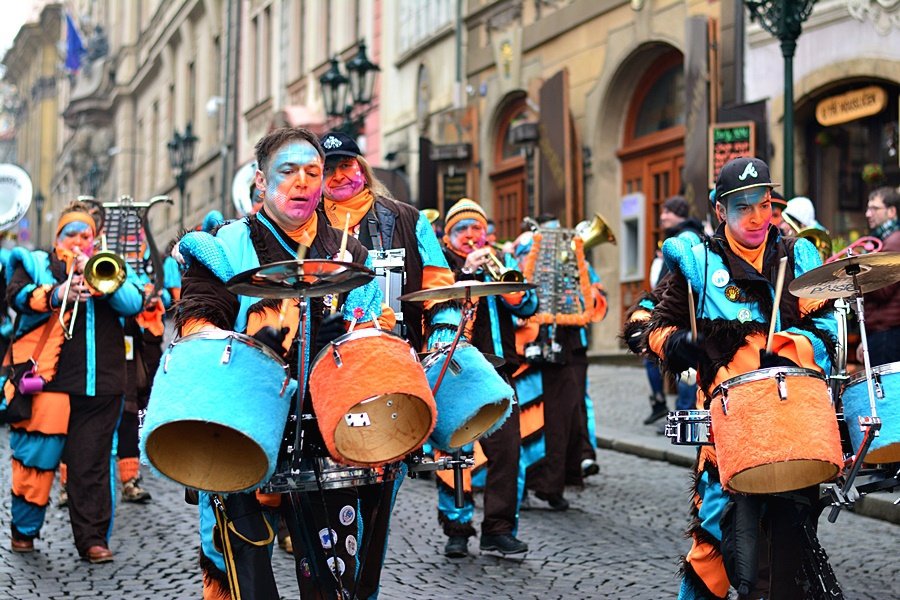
(499,271)
(104,272)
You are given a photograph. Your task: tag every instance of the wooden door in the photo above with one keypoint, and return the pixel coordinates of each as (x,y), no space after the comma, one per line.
(509,203)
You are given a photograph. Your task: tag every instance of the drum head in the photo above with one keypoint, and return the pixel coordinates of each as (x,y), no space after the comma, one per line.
(383,428)
(486,417)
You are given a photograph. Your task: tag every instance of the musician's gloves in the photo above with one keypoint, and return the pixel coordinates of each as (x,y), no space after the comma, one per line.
(682,352)
(770,359)
(331,328)
(272,338)
(635,340)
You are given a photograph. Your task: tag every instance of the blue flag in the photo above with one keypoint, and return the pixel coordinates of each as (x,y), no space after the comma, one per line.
(74,46)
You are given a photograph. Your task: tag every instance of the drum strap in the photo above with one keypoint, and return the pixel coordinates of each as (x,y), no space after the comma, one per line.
(226,526)
(370,237)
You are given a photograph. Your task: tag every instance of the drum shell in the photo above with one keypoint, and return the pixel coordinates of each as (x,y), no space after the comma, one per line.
(375,374)
(216,417)
(766,445)
(472,400)
(855,396)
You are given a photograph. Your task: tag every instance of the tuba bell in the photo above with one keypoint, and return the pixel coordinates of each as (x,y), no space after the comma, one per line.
(819,237)
(595,232)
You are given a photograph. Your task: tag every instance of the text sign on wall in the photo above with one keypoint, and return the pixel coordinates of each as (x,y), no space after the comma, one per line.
(728,141)
(853,105)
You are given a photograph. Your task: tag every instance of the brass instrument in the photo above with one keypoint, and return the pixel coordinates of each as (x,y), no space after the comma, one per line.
(499,271)
(432,214)
(595,232)
(868,243)
(819,237)
(104,273)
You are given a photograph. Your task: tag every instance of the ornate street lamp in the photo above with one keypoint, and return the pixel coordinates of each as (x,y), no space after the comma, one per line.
(181,157)
(39,212)
(92,179)
(360,84)
(784,20)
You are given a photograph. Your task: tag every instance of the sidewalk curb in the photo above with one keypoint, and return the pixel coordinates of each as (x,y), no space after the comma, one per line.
(876,506)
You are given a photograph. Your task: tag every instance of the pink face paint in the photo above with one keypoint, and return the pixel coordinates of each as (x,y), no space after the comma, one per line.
(747,216)
(344,180)
(292,183)
(76,234)
(468,230)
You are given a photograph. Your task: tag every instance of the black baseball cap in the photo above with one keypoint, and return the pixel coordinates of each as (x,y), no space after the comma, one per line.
(741,174)
(336,143)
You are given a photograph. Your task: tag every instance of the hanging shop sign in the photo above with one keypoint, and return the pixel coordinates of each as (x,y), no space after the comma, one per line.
(728,141)
(851,106)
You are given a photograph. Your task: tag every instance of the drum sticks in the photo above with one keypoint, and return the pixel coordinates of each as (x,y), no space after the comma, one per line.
(693,311)
(779,283)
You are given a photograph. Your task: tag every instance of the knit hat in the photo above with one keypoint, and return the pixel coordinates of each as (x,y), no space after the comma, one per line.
(801,209)
(465,208)
(677,206)
(339,144)
(741,174)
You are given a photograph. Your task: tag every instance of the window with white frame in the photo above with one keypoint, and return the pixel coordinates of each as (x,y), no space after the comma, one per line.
(421,20)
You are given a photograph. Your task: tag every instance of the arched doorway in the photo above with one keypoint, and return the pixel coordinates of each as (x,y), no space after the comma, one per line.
(652,152)
(508,179)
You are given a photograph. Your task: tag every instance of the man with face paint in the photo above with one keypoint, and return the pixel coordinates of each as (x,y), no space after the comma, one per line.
(758,547)
(493,332)
(75,415)
(289,177)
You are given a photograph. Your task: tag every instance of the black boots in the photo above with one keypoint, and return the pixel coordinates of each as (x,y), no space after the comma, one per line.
(658,409)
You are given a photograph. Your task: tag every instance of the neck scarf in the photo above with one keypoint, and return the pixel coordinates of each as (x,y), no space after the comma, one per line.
(885,229)
(357,206)
(754,256)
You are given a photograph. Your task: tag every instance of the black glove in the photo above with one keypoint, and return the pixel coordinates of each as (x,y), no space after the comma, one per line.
(770,359)
(635,341)
(272,338)
(683,353)
(330,329)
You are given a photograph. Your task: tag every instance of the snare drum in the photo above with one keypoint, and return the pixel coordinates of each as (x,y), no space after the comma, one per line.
(217,412)
(886,382)
(689,427)
(323,473)
(473,400)
(775,430)
(372,401)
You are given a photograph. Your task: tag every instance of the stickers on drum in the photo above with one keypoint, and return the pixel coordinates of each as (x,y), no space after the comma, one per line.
(775,430)
(217,412)
(473,399)
(372,400)
(886,382)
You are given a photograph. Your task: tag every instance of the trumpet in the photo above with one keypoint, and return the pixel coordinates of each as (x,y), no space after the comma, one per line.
(104,273)
(819,237)
(499,271)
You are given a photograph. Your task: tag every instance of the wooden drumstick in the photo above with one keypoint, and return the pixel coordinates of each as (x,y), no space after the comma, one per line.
(282,313)
(693,311)
(779,283)
(344,238)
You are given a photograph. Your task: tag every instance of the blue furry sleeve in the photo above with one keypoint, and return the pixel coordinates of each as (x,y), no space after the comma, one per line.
(806,258)
(366,299)
(429,247)
(128,299)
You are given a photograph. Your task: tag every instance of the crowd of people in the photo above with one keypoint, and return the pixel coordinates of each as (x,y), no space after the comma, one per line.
(96,350)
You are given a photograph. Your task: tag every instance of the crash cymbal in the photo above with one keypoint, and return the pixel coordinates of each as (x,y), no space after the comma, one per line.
(470,288)
(835,279)
(292,278)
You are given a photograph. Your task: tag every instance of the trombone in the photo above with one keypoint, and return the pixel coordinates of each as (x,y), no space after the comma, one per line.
(499,271)
(104,273)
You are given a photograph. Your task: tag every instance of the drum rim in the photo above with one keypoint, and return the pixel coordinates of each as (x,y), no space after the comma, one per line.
(221,334)
(885,369)
(693,414)
(768,373)
(440,350)
(356,334)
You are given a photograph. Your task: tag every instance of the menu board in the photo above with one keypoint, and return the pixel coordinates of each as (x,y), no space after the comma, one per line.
(728,141)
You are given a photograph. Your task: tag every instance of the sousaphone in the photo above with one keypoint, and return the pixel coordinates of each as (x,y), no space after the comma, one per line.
(15,195)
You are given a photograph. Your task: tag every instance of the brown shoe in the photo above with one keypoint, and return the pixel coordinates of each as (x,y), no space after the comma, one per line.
(22,546)
(98,554)
(132,492)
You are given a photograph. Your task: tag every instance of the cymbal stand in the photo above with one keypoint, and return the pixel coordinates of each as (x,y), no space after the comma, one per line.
(457,463)
(869,425)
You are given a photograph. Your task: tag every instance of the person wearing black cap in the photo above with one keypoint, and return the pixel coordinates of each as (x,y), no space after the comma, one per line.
(733,275)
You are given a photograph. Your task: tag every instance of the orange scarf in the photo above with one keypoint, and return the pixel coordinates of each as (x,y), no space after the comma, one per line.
(754,256)
(357,206)
(306,233)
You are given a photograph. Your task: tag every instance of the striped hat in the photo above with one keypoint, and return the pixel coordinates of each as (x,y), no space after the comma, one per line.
(464,209)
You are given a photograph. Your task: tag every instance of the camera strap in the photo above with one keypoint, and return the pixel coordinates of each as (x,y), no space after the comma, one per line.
(45,335)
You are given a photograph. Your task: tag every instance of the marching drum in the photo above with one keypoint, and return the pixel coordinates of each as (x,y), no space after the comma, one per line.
(217,412)
(316,473)
(689,427)
(372,401)
(775,431)
(886,381)
(472,400)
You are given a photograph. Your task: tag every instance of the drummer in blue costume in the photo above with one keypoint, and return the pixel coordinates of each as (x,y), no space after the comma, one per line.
(289,178)
(732,275)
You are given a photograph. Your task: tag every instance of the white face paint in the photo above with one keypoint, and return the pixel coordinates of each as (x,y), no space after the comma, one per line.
(292,184)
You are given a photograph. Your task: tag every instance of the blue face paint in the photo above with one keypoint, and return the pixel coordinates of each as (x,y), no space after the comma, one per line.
(747,216)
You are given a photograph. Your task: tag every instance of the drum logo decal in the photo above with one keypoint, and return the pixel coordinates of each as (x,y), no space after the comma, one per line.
(327,540)
(357,419)
(351,545)
(720,277)
(347,515)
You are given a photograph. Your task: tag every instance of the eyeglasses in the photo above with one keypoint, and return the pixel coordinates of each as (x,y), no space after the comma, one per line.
(875,208)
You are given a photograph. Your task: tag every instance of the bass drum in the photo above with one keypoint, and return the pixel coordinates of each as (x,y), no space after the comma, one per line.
(886,382)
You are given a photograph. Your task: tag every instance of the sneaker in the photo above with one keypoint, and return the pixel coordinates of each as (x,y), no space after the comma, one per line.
(556,501)
(457,547)
(589,467)
(657,411)
(132,492)
(504,543)
(63,500)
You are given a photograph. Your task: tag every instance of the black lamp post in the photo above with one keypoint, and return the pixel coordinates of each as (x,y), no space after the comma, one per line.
(784,20)
(360,82)
(39,212)
(92,179)
(181,157)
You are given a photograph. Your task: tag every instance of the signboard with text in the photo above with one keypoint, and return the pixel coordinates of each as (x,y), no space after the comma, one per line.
(728,141)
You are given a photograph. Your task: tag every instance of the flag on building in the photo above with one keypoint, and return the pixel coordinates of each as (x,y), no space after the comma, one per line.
(74,45)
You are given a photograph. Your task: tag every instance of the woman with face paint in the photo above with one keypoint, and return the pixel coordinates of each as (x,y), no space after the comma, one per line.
(75,415)
(759,547)
(289,179)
